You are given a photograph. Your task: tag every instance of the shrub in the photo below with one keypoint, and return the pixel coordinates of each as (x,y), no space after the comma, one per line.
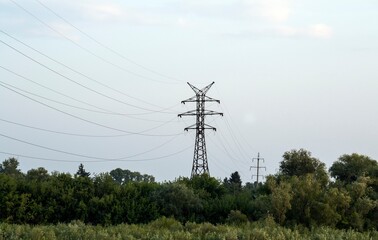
(170,224)
(236,218)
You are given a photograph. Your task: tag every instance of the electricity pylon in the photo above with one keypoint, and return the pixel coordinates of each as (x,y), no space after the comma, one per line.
(257,167)
(200,165)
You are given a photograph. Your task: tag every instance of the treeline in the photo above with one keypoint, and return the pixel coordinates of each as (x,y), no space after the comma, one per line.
(302,193)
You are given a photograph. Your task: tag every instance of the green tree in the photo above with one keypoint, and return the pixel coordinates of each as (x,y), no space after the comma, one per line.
(335,207)
(123,176)
(81,171)
(138,202)
(204,185)
(234,183)
(83,190)
(260,207)
(8,198)
(307,201)
(280,198)
(358,172)
(300,162)
(349,167)
(60,195)
(179,201)
(360,205)
(10,167)
(39,174)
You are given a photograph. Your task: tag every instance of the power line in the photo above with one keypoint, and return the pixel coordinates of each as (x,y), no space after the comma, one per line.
(224,149)
(238,150)
(150,111)
(236,141)
(235,166)
(70,153)
(57,150)
(220,166)
(105,46)
(129,115)
(142,133)
(77,107)
(126,157)
(232,152)
(114,160)
(83,48)
(60,132)
(229,115)
(82,74)
(50,89)
(66,133)
(55,101)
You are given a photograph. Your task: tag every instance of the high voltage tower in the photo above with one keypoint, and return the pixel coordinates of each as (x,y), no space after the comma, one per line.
(200,165)
(258,159)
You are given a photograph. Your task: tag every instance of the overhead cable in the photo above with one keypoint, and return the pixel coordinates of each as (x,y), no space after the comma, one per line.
(86,49)
(141,133)
(150,111)
(105,160)
(80,108)
(105,46)
(84,75)
(103,110)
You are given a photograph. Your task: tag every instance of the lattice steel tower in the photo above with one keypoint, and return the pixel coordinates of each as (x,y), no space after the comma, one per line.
(200,165)
(257,167)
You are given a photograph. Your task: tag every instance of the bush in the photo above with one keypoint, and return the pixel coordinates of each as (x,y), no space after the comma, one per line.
(170,224)
(169,228)
(236,218)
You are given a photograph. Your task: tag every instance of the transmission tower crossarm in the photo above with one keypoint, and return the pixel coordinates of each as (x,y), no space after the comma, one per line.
(209,99)
(207,126)
(192,99)
(195,127)
(188,113)
(194,113)
(195,99)
(210,112)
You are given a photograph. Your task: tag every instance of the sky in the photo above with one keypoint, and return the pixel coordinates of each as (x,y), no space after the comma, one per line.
(101,83)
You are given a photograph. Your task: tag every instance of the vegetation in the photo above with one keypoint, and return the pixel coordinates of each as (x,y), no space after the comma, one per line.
(300,200)
(169,228)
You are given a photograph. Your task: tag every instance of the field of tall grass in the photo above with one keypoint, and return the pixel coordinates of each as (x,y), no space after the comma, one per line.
(168,228)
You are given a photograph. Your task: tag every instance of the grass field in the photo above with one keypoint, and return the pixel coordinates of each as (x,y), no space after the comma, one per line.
(166,228)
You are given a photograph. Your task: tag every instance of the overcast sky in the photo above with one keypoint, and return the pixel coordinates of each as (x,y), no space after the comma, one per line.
(100,82)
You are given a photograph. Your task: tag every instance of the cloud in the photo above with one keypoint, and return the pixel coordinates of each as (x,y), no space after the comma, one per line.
(275,10)
(314,31)
(103,12)
(271,10)
(124,13)
(287,31)
(275,14)
(249,118)
(183,22)
(320,31)
(66,30)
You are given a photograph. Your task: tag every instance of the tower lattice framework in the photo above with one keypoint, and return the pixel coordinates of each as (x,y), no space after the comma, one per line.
(200,163)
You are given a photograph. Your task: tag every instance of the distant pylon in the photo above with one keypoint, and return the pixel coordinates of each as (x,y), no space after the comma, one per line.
(200,164)
(257,167)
